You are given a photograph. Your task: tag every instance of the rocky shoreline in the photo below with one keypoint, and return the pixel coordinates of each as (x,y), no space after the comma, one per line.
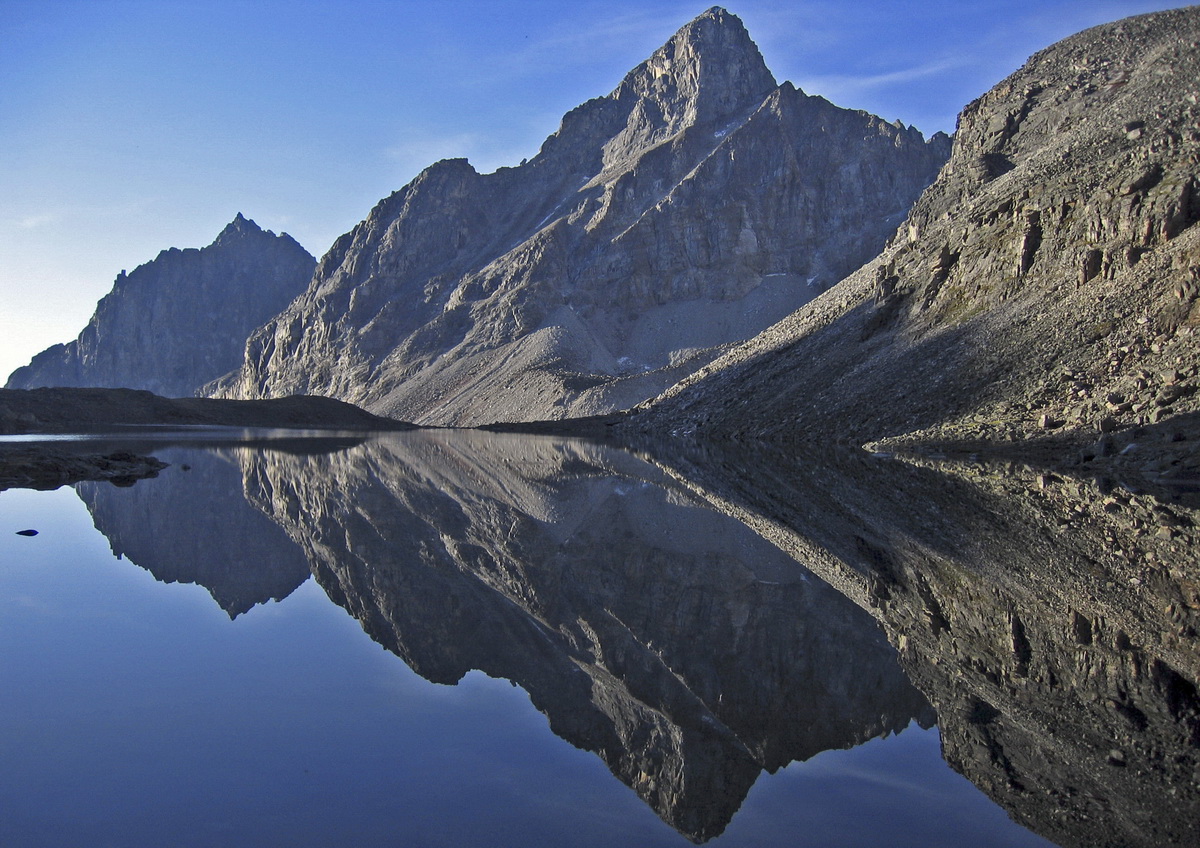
(44,467)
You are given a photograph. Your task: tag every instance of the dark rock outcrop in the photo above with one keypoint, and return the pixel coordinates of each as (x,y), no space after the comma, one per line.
(693,206)
(71,410)
(43,467)
(1048,279)
(181,320)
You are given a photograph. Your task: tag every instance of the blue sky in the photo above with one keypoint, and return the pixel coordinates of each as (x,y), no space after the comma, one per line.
(128,127)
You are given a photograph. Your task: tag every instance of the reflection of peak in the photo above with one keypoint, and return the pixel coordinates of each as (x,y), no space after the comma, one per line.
(675,644)
(195,526)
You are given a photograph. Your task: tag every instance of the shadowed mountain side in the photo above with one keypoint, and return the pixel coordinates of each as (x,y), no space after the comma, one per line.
(693,206)
(1049,277)
(1052,627)
(193,525)
(685,651)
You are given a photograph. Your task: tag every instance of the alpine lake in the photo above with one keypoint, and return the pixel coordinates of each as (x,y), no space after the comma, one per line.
(458,638)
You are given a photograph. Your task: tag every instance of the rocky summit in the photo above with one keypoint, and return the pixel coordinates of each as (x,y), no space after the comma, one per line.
(181,320)
(1044,287)
(692,207)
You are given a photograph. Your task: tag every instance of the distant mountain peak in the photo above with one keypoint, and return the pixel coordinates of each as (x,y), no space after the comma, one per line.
(180,320)
(240,226)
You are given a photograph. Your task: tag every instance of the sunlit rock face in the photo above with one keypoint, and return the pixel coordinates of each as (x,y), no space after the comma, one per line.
(192,524)
(683,649)
(1048,278)
(181,320)
(1053,621)
(696,204)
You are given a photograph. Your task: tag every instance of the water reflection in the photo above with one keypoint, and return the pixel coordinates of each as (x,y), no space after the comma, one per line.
(1050,620)
(655,609)
(686,651)
(194,526)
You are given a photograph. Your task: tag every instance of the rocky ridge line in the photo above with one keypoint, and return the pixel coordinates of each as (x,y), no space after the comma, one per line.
(180,320)
(1048,281)
(688,209)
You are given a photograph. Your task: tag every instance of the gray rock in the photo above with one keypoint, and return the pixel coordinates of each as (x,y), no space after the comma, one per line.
(692,207)
(181,320)
(1012,317)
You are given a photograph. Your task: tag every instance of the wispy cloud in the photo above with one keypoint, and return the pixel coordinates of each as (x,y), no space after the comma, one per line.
(575,42)
(70,214)
(30,222)
(855,84)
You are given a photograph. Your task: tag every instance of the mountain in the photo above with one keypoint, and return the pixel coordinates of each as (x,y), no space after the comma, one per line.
(181,320)
(696,204)
(1046,283)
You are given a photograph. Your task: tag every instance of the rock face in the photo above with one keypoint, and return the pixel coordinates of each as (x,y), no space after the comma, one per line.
(693,206)
(682,649)
(1048,278)
(181,320)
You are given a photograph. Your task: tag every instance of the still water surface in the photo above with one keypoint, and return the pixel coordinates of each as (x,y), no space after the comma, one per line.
(439,639)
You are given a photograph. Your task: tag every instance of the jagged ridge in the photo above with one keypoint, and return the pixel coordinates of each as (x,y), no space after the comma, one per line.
(1048,277)
(181,320)
(691,207)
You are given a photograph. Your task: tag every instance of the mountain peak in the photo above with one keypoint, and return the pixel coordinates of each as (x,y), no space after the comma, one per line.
(557,288)
(709,70)
(721,16)
(239,227)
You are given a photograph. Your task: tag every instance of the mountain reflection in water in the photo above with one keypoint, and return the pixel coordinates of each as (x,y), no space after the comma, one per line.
(664,609)
(686,651)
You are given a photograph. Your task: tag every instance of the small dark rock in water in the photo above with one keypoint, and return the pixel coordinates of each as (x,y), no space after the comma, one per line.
(27,532)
